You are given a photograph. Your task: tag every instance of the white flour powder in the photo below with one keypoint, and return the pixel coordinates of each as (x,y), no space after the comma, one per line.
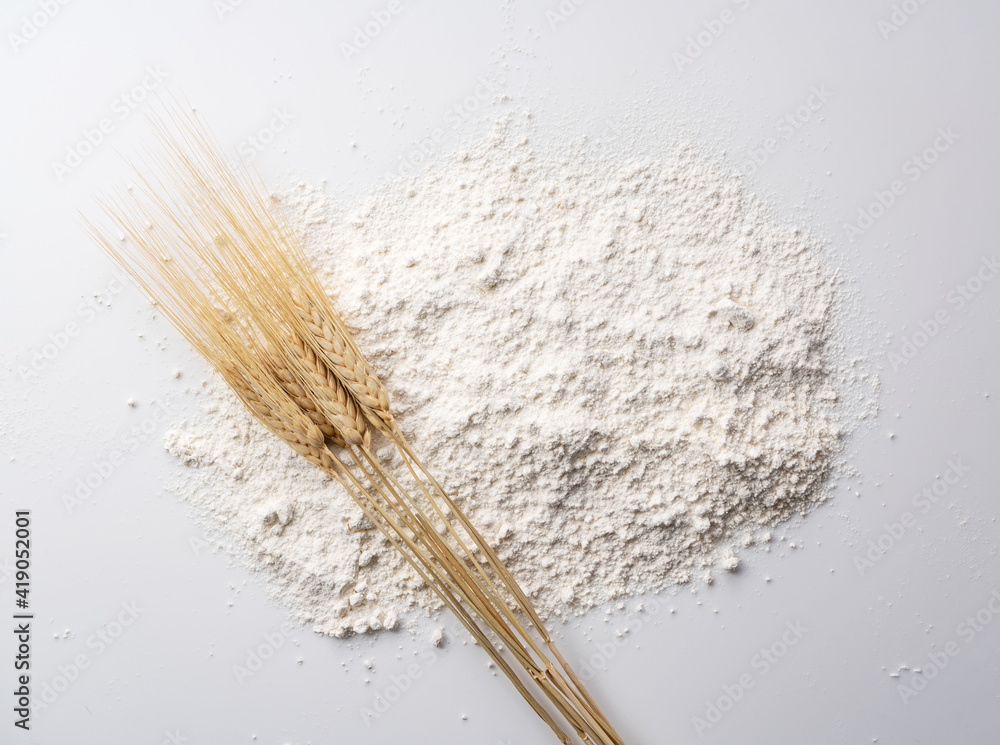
(621,369)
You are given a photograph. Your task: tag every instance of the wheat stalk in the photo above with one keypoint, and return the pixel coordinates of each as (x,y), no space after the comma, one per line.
(212,253)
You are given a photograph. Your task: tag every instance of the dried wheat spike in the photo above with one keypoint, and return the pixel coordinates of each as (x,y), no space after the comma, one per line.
(329,394)
(299,394)
(225,267)
(352,368)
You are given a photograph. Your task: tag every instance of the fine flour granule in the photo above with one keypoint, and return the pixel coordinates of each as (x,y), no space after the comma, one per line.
(622,369)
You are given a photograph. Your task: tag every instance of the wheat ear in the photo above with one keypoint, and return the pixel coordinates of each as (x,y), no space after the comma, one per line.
(325,390)
(226,269)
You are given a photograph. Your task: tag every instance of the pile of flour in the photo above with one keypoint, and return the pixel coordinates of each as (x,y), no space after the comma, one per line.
(623,369)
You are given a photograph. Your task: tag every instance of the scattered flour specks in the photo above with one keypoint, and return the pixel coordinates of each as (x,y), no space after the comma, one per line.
(623,370)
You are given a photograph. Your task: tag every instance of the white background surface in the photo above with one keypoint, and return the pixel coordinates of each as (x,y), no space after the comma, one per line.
(169,676)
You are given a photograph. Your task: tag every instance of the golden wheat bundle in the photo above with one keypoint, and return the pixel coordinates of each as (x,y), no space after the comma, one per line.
(204,242)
